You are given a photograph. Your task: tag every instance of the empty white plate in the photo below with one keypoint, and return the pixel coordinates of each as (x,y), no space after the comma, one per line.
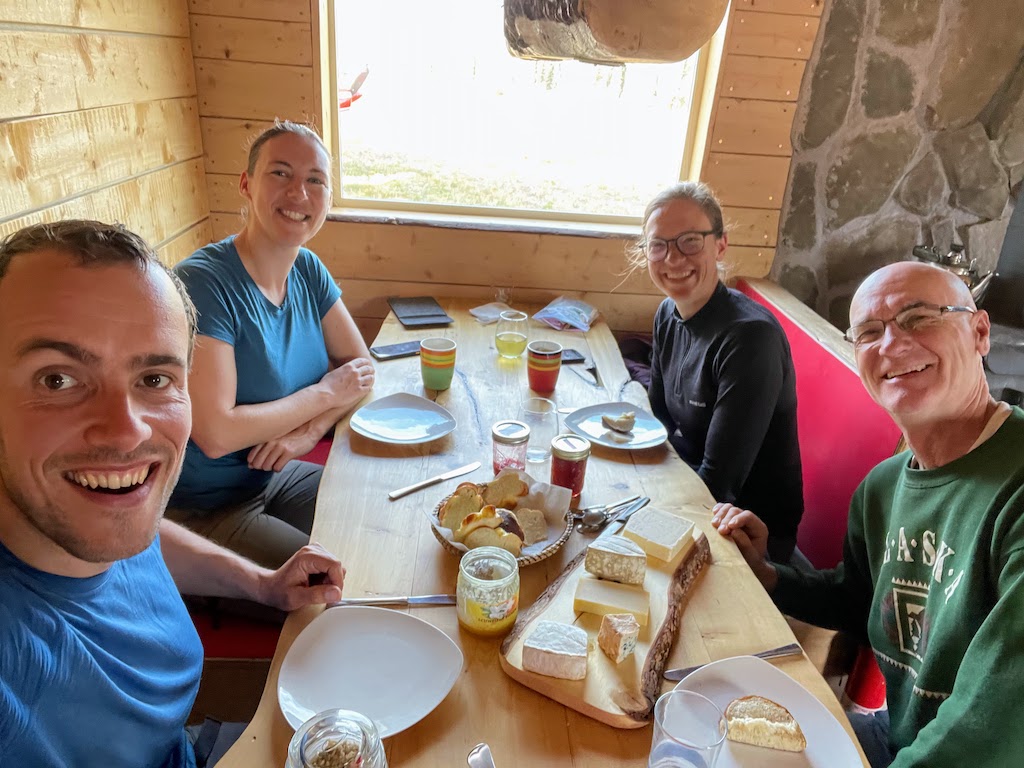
(402,418)
(647,432)
(389,666)
(828,744)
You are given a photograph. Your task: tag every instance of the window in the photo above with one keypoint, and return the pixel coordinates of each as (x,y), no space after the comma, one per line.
(448,120)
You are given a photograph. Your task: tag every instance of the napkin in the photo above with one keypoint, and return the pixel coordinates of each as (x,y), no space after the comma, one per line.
(489,313)
(564,314)
(552,500)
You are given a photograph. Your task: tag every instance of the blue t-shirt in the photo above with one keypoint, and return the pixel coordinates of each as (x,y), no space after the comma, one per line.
(278,351)
(96,671)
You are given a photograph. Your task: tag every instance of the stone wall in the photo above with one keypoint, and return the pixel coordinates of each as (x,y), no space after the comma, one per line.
(909,129)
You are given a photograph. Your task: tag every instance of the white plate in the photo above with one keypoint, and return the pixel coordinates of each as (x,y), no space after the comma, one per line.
(402,418)
(828,744)
(646,433)
(390,666)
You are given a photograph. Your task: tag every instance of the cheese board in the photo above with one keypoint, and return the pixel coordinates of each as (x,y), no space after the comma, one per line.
(622,694)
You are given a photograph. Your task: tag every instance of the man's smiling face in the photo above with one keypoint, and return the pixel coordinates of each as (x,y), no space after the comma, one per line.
(95,414)
(929,374)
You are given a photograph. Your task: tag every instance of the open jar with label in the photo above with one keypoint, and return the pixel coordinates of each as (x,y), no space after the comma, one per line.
(487,593)
(569,454)
(336,738)
(510,439)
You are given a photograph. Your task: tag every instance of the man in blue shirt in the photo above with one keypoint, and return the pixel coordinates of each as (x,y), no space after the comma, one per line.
(99,661)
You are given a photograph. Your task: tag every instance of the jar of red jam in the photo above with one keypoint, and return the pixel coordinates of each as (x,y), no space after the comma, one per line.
(569,455)
(510,439)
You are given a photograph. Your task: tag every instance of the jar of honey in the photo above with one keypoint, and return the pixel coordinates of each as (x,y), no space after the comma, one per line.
(569,454)
(487,593)
(510,440)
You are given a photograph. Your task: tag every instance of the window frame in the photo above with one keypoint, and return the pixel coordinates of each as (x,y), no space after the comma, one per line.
(695,149)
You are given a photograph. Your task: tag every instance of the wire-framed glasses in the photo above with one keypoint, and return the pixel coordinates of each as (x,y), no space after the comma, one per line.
(911,320)
(688,244)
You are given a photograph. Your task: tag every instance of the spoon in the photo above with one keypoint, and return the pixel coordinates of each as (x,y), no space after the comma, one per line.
(480,757)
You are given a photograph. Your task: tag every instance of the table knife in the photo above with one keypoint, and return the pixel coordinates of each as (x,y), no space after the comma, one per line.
(399,601)
(432,480)
(793,649)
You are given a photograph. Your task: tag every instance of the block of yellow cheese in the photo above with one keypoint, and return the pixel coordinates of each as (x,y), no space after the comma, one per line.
(602,597)
(660,534)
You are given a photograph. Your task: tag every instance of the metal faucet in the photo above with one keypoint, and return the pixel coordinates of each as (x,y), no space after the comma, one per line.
(956,261)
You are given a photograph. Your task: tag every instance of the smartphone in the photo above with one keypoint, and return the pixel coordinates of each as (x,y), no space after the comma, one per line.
(570,356)
(393,351)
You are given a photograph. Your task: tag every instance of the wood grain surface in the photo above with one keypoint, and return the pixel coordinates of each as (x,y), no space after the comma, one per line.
(388,549)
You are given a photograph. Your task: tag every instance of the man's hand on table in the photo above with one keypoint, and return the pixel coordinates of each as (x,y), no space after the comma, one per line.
(751,536)
(289,587)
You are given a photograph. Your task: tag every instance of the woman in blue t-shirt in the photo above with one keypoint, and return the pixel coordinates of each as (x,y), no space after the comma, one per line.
(278,360)
(722,378)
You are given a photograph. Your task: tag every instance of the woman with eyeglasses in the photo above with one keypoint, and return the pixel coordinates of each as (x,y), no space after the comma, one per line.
(278,360)
(722,377)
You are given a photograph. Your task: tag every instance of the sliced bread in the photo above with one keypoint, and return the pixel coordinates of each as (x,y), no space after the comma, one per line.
(764,723)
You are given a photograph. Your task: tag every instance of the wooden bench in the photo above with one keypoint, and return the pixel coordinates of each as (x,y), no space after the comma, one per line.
(843,434)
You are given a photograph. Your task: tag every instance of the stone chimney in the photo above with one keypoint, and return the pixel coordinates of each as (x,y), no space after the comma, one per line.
(909,129)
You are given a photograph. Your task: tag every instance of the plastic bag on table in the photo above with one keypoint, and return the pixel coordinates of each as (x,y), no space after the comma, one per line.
(564,314)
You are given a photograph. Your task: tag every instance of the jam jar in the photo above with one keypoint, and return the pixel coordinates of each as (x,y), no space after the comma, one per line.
(487,594)
(510,439)
(336,738)
(569,455)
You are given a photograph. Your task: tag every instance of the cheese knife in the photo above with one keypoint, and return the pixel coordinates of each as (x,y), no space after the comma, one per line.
(405,601)
(433,480)
(793,649)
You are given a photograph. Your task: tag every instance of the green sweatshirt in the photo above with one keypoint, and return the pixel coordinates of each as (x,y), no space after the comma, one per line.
(933,577)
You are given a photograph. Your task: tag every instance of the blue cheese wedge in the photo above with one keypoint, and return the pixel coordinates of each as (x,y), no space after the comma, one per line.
(556,650)
(660,534)
(616,558)
(618,635)
(602,597)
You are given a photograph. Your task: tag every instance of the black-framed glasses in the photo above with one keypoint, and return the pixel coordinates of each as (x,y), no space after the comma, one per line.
(913,319)
(688,244)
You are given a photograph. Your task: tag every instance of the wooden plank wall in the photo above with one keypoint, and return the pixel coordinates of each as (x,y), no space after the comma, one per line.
(99,119)
(747,157)
(259,59)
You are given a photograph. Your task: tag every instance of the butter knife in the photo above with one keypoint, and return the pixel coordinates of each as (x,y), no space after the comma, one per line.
(433,480)
(399,601)
(793,649)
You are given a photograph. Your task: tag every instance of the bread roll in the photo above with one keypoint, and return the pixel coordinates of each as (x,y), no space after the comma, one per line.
(764,723)
(463,502)
(494,537)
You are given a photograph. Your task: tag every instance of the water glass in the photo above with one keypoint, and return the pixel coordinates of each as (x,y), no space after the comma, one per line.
(541,416)
(689,730)
(512,333)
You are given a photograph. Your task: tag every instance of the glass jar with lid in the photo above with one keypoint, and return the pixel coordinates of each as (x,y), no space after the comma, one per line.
(487,593)
(336,738)
(510,439)
(569,454)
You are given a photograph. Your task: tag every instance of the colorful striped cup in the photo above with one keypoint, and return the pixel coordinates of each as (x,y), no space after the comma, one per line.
(437,362)
(543,361)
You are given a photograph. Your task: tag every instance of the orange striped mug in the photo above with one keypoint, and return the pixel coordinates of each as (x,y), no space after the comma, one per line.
(543,361)
(437,362)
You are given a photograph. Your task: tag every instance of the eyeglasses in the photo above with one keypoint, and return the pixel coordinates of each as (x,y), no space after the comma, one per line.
(911,320)
(688,244)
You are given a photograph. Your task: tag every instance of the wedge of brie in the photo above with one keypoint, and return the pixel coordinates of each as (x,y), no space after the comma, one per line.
(556,650)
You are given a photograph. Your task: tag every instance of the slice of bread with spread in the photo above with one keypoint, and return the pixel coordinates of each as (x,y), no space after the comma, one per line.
(764,723)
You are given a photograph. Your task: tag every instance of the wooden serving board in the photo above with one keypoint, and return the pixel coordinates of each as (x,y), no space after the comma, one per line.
(620,695)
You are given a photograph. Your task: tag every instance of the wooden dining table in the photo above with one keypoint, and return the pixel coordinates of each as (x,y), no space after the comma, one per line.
(388,548)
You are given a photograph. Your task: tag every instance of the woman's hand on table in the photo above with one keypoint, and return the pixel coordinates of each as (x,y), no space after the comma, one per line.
(350,382)
(272,455)
(290,587)
(751,536)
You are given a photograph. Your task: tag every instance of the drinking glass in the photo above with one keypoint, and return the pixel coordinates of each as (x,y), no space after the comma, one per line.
(689,730)
(541,416)
(543,361)
(512,333)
